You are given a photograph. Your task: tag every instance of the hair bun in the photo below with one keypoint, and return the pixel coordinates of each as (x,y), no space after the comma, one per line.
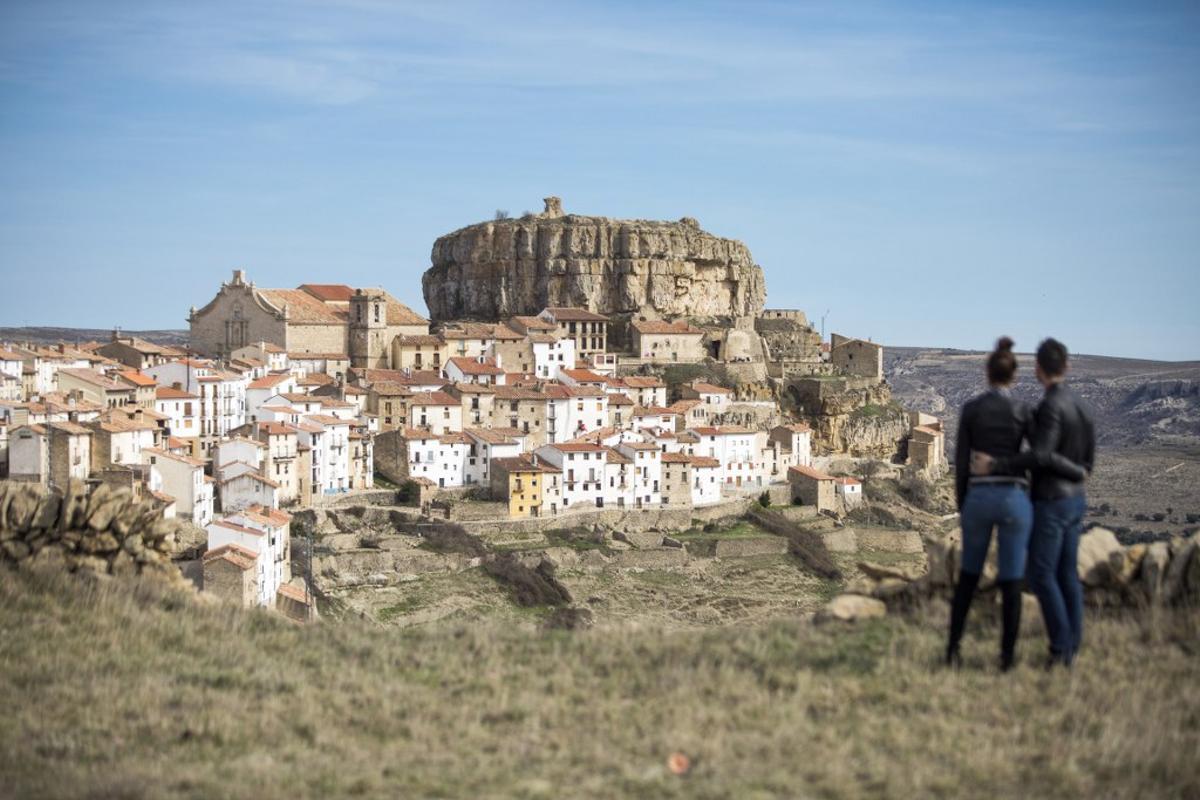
(1004,344)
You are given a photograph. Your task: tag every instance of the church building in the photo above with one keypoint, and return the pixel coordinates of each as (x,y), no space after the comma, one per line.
(312,318)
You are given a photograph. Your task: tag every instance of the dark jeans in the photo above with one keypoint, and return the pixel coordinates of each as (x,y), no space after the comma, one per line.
(1006,508)
(1053,573)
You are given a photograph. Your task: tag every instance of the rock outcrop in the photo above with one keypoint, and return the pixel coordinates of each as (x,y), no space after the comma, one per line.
(856,416)
(621,268)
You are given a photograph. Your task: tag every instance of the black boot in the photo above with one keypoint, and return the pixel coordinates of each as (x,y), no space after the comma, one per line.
(963,593)
(1010,592)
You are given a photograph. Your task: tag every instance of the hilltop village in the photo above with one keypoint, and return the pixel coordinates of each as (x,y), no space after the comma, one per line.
(574,367)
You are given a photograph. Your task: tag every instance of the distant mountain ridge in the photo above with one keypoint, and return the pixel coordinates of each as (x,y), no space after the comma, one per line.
(1136,401)
(53,335)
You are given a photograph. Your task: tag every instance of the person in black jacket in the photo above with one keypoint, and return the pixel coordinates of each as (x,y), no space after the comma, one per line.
(1063,433)
(998,424)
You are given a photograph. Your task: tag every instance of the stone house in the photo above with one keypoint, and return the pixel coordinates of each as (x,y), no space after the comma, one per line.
(283,463)
(526,410)
(620,410)
(143,387)
(477,401)
(424,351)
(676,476)
(468,339)
(96,388)
(588,329)
(660,342)
(119,440)
(856,357)
(137,353)
(927,444)
(511,349)
(644,390)
(231,574)
(54,452)
(474,370)
(813,488)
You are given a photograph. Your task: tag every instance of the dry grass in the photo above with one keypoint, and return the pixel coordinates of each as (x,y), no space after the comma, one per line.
(108,690)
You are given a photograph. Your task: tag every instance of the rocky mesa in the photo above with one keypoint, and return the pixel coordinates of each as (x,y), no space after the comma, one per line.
(614,267)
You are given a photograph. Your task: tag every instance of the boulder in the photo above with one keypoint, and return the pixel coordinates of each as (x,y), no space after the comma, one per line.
(45,518)
(943,556)
(1101,558)
(1153,570)
(74,506)
(851,608)
(882,571)
(22,505)
(100,516)
(1175,581)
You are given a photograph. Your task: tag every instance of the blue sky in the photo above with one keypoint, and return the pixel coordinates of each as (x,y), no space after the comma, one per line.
(932,174)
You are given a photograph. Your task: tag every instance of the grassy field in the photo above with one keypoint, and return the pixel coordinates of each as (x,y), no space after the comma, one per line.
(112,690)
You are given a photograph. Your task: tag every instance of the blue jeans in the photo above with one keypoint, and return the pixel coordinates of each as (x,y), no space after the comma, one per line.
(1054,573)
(1006,507)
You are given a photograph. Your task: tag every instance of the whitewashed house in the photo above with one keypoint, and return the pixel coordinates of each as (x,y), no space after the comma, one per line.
(184,479)
(583,472)
(181,409)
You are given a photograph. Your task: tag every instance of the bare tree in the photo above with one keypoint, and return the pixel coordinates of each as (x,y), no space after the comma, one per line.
(501,214)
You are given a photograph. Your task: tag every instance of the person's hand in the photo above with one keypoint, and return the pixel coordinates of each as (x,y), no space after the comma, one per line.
(981,463)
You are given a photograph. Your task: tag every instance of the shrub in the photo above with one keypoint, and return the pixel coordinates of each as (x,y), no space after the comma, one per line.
(764,499)
(917,490)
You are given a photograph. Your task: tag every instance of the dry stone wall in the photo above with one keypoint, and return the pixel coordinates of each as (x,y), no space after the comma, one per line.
(105,532)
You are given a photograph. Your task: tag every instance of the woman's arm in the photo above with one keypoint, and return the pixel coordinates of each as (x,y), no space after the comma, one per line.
(962,456)
(1042,433)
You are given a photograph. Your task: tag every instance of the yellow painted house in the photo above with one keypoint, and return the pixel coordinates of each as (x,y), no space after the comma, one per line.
(531,486)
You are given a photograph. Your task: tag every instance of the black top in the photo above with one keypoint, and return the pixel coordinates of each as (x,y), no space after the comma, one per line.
(1064,434)
(995,423)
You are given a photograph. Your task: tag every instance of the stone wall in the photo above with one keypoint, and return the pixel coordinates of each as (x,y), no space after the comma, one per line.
(106,532)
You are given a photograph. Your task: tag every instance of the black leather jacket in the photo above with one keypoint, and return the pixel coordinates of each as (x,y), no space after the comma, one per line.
(996,423)
(1063,433)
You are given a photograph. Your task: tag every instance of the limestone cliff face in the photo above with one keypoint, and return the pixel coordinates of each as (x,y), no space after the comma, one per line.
(851,415)
(616,267)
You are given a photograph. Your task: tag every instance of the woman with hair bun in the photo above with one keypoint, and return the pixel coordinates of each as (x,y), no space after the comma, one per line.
(998,424)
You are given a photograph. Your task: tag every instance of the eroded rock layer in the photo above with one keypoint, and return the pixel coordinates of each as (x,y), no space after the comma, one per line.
(616,267)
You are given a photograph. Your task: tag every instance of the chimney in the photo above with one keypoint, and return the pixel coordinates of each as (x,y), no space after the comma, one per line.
(239,277)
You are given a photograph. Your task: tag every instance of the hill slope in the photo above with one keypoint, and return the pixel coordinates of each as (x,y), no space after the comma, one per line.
(112,690)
